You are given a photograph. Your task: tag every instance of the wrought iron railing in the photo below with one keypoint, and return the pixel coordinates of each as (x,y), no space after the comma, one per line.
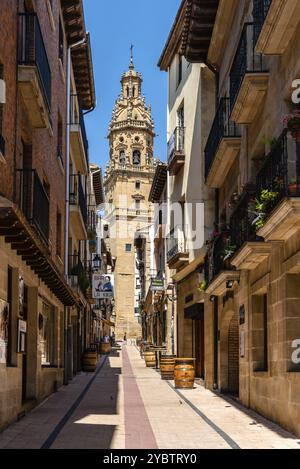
(280,172)
(222,127)
(77,195)
(246,60)
(216,261)
(176,143)
(92,218)
(78,274)
(2,145)
(176,242)
(32,51)
(260,11)
(33,200)
(242,228)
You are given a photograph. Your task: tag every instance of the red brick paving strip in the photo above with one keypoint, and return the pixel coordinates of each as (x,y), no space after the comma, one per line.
(138,431)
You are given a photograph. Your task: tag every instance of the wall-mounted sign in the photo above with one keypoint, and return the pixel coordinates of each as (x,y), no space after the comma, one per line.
(242,315)
(103,286)
(157,284)
(4,320)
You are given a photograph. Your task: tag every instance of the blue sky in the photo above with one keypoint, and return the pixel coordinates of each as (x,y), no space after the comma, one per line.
(114,26)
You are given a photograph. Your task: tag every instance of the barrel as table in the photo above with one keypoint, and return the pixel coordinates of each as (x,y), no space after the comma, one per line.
(167,365)
(89,360)
(184,373)
(150,359)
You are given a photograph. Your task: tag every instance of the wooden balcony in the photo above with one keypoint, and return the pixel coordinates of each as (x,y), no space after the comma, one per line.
(223,146)
(34,74)
(78,137)
(176,153)
(280,20)
(249,79)
(78,207)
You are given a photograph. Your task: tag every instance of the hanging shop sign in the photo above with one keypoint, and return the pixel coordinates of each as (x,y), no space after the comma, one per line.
(4,320)
(157,285)
(103,286)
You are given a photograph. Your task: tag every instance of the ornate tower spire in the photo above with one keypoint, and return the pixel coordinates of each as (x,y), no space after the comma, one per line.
(131,66)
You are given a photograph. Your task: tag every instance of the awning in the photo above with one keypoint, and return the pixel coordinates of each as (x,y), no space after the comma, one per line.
(195,312)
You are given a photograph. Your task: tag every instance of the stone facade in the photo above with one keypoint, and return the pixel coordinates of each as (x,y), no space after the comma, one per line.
(128,182)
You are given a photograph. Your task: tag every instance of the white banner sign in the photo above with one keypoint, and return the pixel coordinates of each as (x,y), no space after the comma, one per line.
(103,286)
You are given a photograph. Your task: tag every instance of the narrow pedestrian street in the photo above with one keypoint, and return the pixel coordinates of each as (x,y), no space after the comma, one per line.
(125,405)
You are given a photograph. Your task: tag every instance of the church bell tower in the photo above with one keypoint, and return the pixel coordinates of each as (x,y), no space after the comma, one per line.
(128,181)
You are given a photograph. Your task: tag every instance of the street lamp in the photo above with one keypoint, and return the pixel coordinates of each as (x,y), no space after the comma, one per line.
(97,262)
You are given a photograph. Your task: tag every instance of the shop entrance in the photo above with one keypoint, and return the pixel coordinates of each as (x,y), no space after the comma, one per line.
(196,314)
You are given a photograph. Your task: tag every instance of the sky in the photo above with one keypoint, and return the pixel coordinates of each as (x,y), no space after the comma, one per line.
(115,25)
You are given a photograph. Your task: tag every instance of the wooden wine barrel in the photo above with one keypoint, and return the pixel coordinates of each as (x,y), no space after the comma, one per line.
(184,373)
(150,359)
(105,348)
(167,365)
(89,360)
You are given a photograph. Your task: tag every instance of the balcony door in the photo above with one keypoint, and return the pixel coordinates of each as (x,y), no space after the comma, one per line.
(180,117)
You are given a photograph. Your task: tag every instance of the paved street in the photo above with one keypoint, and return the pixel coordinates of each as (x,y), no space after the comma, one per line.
(126,405)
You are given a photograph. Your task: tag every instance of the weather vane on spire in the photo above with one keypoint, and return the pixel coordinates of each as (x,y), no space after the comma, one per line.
(131,56)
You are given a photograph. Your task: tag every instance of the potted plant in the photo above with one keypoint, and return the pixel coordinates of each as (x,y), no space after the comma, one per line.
(261,207)
(292,123)
(294,187)
(203,286)
(229,251)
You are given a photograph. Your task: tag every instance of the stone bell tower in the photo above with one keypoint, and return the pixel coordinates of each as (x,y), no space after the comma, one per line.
(128,181)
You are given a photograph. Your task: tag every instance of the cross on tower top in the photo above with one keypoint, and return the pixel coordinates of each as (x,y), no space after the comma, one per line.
(131,57)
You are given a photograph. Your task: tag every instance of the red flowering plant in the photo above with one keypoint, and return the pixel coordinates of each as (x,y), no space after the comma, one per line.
(292,123)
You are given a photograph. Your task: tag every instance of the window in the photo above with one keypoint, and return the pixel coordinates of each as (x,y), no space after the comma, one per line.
(180,117)
(46,334)
(122,157)
(136,157)
(179,75)
(137,204)
(128,247)
(58,234)
(137,185)
(61,45)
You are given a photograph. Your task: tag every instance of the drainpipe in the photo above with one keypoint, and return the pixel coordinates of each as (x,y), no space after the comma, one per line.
(66,309)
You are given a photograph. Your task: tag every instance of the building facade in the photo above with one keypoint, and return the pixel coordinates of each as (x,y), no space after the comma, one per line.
(190,201)
(250,160)
(38,353)
(127,183)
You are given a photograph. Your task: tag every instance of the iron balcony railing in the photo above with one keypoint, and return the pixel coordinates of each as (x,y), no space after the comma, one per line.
(92,218)
(222,127)
(216,261)
(33,200)
(242,228)
(77,196)
(176,242)
(2,145)
(176,143)
(32,51)
(260,11)
(280,173)
(246,60)
(77,118)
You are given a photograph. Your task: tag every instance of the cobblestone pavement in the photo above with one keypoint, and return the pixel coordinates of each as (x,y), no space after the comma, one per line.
(125,405)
